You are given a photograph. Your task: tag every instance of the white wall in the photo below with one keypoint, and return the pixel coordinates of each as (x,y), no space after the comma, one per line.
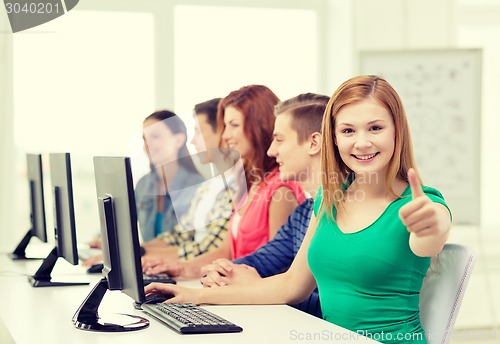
(480,27)
(403,24)
(6,133)
(338,44)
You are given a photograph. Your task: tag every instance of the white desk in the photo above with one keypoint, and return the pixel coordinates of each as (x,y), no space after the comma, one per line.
(43,315)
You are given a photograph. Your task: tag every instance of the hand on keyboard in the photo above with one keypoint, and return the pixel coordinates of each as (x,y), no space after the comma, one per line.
(156,266)
(181,294)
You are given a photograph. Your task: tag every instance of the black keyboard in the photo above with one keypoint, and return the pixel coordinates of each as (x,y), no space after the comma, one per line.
(161,278)
(189,319)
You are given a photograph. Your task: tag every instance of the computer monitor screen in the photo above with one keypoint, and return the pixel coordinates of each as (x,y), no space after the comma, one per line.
(64,222)
(37,206)
(120,246)
(117,210)
(63,206)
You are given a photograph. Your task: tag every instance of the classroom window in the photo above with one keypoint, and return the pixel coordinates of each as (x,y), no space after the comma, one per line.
(220,49)
(83,83)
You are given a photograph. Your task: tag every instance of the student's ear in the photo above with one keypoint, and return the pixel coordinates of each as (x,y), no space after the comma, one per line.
(315,143)
(180,139)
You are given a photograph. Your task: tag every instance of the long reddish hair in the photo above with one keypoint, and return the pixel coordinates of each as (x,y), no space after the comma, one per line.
(256,102)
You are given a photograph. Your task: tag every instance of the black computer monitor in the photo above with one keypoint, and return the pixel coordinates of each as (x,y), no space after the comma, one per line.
(120,247)
(64,223)
(37,207)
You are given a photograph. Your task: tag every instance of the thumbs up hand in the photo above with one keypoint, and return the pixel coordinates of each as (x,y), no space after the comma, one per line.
(420,216)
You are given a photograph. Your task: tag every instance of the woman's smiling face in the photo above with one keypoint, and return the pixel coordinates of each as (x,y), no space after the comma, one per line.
(365,136)
(233,134)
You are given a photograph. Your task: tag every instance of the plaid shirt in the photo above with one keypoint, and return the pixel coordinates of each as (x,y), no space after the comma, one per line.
(215,229)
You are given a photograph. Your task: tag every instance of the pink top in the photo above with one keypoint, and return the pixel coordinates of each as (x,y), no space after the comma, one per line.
(253,226)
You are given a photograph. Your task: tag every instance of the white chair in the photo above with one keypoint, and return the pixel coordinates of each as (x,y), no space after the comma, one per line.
(443,290)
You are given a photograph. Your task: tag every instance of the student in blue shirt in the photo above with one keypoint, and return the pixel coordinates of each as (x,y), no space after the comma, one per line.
(296,147)
(165,193)
(204,226)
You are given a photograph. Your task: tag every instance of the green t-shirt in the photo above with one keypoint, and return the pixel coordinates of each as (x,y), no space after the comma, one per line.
(369,281)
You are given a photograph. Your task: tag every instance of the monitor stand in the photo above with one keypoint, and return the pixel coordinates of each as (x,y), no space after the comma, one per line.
(42,277)
(87,316)
(20,251)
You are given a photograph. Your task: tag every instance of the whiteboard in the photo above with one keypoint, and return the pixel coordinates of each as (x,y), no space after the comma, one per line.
(441,93)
